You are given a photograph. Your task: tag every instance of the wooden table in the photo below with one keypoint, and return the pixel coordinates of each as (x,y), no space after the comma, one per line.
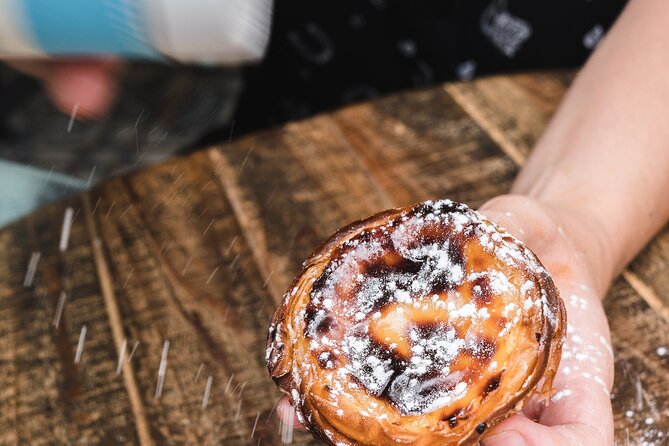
(198,252)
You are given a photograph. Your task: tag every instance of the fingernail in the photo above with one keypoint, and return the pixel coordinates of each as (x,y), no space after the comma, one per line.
(507,438)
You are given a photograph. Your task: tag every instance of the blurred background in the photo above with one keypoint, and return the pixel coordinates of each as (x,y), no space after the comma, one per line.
(311,57)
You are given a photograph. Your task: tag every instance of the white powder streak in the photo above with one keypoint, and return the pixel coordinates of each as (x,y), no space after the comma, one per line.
(162,369)
(65,231)
(30,271)
(80,344)
(207,391)
(59,309)
(121,355)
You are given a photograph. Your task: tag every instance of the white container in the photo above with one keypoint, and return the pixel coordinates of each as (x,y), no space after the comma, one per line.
(199,31)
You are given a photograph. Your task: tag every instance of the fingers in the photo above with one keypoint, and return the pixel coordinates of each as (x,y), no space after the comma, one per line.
(520,431)
(85,88)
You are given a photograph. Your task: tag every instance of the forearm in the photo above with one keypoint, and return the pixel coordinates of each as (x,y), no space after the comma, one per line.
(605,155)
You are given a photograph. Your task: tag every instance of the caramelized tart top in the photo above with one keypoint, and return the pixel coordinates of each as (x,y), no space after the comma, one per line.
(421,325)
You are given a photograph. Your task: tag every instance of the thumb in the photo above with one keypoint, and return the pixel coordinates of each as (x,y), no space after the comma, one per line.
(83,87)
(520,431)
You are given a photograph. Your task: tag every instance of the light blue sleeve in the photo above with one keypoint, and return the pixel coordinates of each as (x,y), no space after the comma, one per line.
(24,189)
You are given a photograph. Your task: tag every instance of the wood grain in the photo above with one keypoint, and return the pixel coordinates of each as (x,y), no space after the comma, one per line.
(44,397)
(198,251)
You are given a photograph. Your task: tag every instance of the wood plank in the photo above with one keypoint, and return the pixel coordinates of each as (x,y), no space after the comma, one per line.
(123,366)
(639,397)
(513,110)
(651,267)
(292,188)
(421,145)
(393,137)
(183,272)
(198,251)
(634,306)
(45,397)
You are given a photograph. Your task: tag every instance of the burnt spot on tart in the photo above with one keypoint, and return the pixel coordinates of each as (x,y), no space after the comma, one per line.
(327,359)
(481,292)
(492,384)
(453,417)
(318,322)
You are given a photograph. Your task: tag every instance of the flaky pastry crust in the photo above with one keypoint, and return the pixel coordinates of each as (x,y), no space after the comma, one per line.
(424,325)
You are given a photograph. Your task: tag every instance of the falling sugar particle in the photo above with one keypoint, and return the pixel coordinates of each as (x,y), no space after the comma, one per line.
(90,177)
(59,309)
(65,231)
(121,355)
(176,180)
(255,424)
(651,405)
(183,272)
(264,284)
(110,209)
(207,391)
(97,203)
(126,211)
(211,276)
(132,352)
(241,389)
(246,158)
(128,278)
(30,271)
(209,226)
(227,387)
(73,116)
(80,344)
(639,394)
(261,309)
(203,212)
(199,371)
(238,412)
(232,243)
(48,177)
(162,369)
(271,412)
(662,351)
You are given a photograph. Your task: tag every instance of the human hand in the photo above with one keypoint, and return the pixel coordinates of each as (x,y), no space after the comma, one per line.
(570,247)
(579,412)
(84,88)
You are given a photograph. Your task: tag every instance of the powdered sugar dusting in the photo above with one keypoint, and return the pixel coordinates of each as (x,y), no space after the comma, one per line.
(367,363)
(398,273)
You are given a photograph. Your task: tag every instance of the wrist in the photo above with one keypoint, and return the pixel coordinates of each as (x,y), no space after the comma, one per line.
(550,228)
